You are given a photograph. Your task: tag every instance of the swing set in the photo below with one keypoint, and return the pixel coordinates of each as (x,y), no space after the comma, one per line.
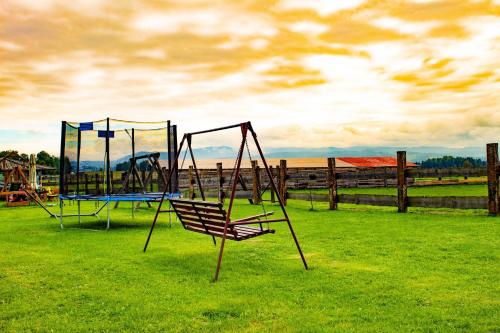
(211,218)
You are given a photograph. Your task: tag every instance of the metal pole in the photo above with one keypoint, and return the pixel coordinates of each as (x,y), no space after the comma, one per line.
(217,129)
(133,161)
(61,203)
(108,166)
(61,172)
(169,146)
(244,130)
(175,167)
(108,169)
(79,143)
(133,173)
(107,226)
(78,172)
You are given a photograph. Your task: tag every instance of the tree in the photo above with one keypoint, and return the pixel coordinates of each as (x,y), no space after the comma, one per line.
(468,164)
(123,166)
(44,158)
(24,157)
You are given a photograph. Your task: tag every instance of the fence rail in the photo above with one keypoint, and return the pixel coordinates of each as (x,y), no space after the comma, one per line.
(457,202)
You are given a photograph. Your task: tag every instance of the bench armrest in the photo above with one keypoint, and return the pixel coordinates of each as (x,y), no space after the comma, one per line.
(253,218)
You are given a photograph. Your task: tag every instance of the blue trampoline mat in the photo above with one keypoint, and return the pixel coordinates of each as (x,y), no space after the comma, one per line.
(154,196)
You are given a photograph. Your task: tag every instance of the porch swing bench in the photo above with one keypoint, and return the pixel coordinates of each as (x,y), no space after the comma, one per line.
(209,218)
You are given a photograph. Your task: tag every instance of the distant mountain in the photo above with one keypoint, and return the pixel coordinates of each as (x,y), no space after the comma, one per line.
(414,154)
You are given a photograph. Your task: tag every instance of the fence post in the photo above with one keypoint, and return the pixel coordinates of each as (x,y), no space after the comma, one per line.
(191,182)
(278,179)
(271,188)
(282,182)
(220,183)
(255,183)
(385,177)
(332,183)
(402,185)
(492,171)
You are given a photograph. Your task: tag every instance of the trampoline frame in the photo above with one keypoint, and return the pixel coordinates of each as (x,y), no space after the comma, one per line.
(107,199)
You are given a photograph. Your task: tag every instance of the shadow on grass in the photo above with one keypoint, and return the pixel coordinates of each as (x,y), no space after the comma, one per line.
(199,263)
(113,225)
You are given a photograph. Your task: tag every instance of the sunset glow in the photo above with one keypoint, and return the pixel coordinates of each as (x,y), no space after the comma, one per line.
(306,73)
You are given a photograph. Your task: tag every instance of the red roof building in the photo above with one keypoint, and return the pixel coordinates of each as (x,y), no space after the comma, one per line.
(368,162)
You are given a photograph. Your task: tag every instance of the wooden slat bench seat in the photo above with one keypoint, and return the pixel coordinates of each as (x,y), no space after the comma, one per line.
(209,218)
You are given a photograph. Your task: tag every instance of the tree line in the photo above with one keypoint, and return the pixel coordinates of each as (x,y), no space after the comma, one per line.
(42,158)
(452,162)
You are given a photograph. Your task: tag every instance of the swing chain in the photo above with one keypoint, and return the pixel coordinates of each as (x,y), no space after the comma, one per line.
(258,189)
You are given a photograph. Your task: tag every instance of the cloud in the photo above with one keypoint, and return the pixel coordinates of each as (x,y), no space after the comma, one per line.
(308,27)
(404,27)
(206,22)
(324,7)
(9,46)
(81,6)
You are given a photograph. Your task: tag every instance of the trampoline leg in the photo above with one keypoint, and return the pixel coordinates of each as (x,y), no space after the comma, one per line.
(61,203)
(107,226)
(79,212)
(170,213)
(133,211)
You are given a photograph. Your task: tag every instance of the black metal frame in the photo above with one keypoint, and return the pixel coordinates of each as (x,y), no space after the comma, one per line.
(245,128)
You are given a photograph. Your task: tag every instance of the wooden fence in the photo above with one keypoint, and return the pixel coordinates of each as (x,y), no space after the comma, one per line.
(253,182)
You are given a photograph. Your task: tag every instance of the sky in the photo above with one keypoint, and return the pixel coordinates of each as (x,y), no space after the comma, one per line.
(307,73)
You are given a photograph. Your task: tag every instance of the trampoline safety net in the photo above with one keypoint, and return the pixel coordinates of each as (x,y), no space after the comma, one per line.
(113,157)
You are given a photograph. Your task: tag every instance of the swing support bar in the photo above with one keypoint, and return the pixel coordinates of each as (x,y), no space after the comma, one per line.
(245,129)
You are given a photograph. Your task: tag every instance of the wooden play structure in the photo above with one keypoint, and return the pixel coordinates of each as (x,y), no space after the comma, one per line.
(211,218)
(133,175)
(17,189)
(15,186)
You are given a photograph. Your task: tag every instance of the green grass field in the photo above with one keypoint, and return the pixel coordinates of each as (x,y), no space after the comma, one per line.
(372,270)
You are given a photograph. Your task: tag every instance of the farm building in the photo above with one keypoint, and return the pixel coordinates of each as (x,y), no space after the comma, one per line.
(369,162)
(341,162)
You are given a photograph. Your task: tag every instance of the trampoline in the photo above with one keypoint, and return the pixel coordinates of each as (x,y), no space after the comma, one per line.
(112,161)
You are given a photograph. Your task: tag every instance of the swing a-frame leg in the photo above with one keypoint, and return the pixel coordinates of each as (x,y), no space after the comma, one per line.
(244,131)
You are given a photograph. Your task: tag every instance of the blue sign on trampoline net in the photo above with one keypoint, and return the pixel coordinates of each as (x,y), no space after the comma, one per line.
(86,126)
(102,134)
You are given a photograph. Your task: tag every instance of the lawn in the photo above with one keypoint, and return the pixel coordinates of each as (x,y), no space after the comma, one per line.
(416,191)
(372,270)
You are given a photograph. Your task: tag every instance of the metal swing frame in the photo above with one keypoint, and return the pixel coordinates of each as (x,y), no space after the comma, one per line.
(245,128)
